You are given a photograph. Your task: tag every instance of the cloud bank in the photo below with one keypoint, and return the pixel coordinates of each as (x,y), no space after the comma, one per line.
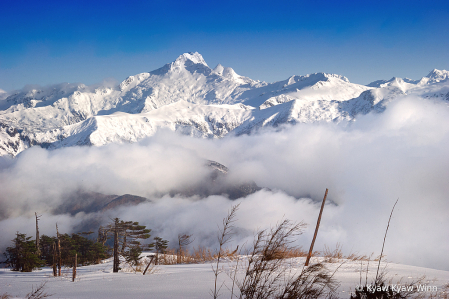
(367,165)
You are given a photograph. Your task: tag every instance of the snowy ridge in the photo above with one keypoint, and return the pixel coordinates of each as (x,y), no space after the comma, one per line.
(188,96)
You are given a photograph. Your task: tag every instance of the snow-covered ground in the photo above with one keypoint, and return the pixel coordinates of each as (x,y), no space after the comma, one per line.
(196,280)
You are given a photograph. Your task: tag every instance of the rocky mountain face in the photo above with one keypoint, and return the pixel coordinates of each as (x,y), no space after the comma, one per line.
(214,184)
(190,97)
(91,202)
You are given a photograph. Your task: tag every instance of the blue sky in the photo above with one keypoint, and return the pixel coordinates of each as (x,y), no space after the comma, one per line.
(88,41)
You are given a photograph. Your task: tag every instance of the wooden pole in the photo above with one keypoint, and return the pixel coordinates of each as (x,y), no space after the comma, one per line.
(316,230)
(152,257)
(74,267)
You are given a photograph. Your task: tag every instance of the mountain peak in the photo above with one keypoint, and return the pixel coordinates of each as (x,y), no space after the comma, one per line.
(218,69)
(191,61)
(438,75)
(193,57)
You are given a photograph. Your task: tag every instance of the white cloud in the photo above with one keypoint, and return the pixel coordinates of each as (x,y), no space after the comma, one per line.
(400,153)
(3,94)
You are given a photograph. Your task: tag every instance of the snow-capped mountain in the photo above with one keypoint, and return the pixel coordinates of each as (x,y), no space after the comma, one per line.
(187,95)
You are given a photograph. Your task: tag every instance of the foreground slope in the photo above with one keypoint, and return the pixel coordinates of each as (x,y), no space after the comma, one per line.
(191,280)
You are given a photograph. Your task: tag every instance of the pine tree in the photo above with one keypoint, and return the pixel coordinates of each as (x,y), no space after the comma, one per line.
(127,236)
(46,248)
(160,245)
(22,256)
(89,251)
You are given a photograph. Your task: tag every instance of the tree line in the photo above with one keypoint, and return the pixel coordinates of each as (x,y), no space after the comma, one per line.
(117,238)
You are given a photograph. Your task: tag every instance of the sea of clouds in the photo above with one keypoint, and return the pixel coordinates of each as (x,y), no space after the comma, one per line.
(367,165)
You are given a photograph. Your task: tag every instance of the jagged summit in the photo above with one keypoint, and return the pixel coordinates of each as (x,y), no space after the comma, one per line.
(188,96)
(434,76)
(193,57)
(395,81)
(438,75)
(192,62)
(322,77)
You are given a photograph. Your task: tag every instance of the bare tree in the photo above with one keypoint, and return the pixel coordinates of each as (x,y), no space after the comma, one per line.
(183,241)
(38,250)
(54,260)
(103,234)
(75,262)
(59,259)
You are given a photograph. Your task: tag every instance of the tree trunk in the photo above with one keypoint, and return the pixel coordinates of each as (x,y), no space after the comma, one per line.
(59,257)
(38,250)
(59,251)
(74,267)
(18,260)
(54,259)
(116,259)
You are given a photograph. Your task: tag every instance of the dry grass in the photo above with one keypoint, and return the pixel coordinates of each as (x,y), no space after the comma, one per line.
(357,257)
(168,258)
(444,293)
(269,275)
(205,255)
(292,252)
(172,257)
(331,256)
(38,293)
(336,255)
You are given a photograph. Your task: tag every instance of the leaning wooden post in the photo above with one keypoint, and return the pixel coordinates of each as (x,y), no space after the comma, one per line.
(152,257)
(74,267)
(316,230)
